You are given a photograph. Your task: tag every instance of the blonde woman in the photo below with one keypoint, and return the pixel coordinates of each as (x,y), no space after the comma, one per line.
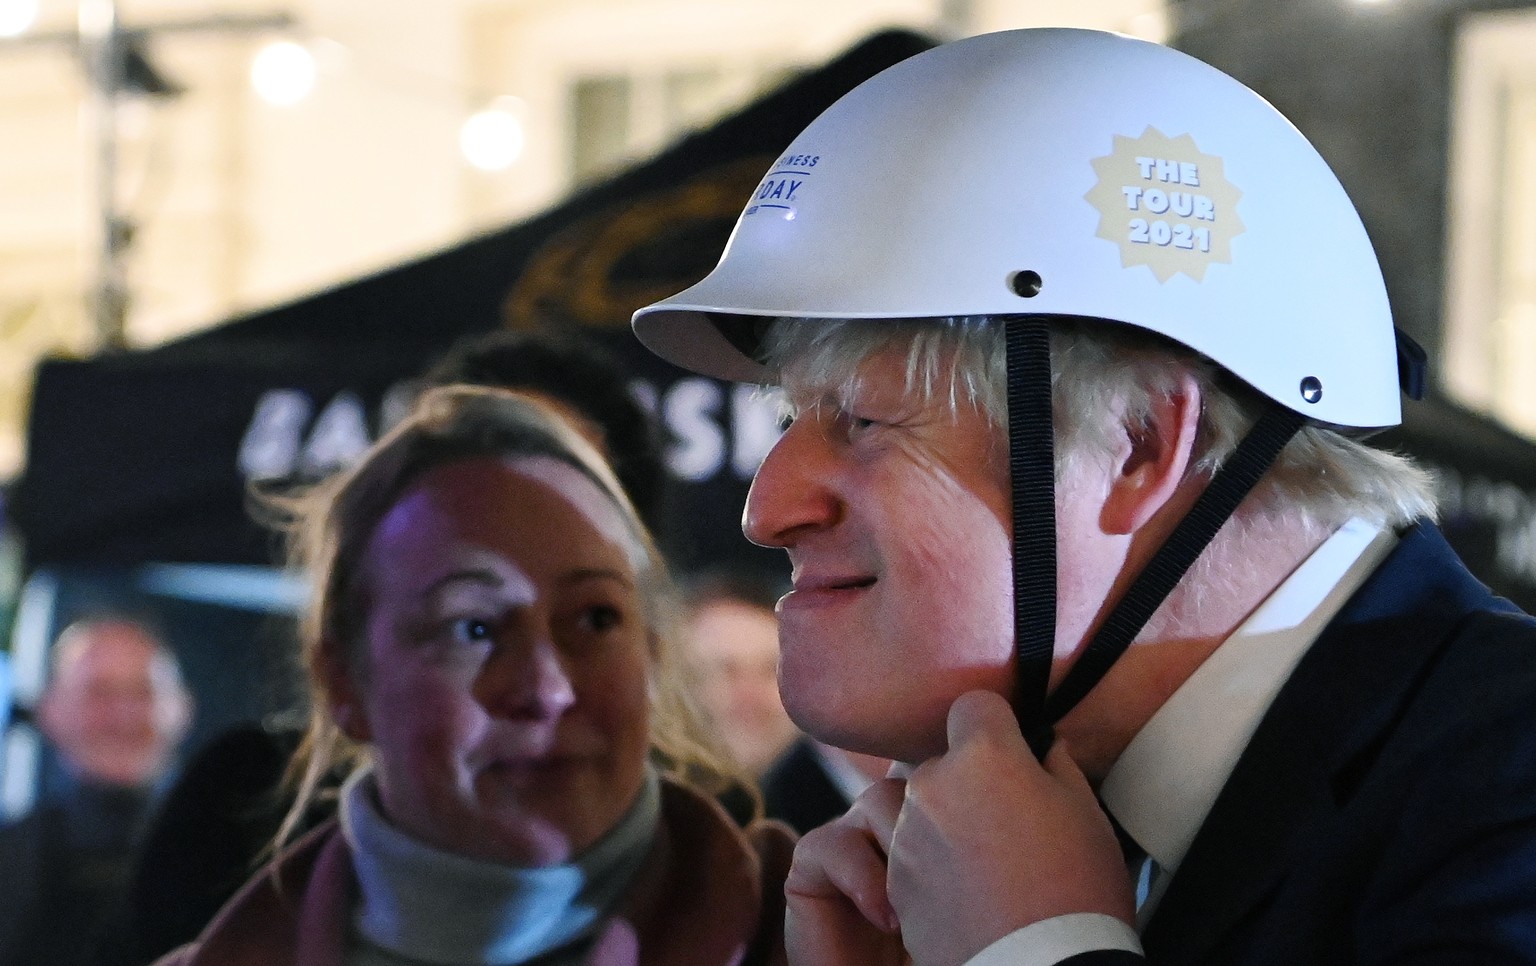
(489,645)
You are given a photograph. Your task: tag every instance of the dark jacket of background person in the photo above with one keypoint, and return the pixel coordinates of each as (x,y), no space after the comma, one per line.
(203,843)
(707,893)
(62,867)
(798,791)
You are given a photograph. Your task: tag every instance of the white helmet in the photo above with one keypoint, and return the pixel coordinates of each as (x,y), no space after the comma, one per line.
(1063,172)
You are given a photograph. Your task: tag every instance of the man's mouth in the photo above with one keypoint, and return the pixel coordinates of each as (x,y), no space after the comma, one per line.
(832,581)
(823,589)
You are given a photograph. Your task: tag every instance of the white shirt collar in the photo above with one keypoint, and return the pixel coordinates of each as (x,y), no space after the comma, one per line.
(1168,777)
(849,781)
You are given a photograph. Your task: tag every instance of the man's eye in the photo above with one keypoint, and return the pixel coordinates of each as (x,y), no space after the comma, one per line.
(858,425)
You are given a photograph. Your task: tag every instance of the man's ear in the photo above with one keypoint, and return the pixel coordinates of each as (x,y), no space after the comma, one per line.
(175,712)
(1153,458)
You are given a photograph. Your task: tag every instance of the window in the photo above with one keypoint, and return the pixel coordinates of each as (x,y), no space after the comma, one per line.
(616,119)
(1490,332)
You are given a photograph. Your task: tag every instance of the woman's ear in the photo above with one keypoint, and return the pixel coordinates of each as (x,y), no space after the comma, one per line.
(347,708)
(352,720)
(1153,459)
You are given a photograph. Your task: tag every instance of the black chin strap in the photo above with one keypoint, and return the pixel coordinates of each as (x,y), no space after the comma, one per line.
(1237,476)
(1032,463)
(1031,460)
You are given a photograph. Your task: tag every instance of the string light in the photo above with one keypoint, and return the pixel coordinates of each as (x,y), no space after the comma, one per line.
(17,16)
(493,139)
(283,73)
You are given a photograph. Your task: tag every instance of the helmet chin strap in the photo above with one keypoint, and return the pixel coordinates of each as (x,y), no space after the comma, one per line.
(1032,469)
(1031,457)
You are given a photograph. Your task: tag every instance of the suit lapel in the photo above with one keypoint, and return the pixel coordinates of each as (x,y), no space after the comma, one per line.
(1324,728)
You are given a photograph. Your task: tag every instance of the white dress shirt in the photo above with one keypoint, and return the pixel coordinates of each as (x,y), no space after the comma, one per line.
(1165,782)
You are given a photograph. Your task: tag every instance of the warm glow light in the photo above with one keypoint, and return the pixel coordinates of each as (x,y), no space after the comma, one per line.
(16,16)
(492,140)
(283,73)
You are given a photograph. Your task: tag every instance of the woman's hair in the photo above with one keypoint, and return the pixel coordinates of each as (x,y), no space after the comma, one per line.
(1103,372)
(329,527)
(579,373)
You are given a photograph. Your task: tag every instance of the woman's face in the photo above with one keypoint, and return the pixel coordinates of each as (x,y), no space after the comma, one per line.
(505,695)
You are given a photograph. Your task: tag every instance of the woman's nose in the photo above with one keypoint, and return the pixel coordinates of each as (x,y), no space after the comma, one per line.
(794,489)
(527,681)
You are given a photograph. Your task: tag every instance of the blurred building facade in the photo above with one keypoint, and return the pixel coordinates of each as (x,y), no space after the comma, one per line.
(235,203)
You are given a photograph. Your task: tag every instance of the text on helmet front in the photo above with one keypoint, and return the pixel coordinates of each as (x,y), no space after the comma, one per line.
(776,192)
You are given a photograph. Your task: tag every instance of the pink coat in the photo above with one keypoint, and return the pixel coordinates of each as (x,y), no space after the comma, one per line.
(708,893)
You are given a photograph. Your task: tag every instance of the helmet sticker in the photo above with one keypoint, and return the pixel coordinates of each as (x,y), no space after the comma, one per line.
(1167,205)
(778,192)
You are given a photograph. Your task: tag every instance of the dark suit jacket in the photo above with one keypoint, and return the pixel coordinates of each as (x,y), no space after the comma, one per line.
(1385,810)
(798,791)
(62,871)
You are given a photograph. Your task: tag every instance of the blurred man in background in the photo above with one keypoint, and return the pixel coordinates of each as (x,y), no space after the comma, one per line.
(115,711)
(813,783)
(733,636)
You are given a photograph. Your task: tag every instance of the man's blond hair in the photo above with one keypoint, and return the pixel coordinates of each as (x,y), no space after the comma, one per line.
(1321,479)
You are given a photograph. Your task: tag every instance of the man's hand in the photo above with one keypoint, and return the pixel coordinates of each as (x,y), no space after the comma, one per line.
(838,912)
(988,841)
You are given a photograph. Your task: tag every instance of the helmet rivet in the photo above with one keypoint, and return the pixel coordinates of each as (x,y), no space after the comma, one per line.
(1311,389)
(1026,284)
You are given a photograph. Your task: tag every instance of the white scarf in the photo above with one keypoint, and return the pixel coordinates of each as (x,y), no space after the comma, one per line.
(424,905)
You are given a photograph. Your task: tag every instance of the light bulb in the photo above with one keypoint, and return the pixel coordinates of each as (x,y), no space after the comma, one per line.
(492,140)
(283,73)
(16,16)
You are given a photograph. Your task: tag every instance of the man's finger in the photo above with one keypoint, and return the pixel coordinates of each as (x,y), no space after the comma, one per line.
(978,714)
(876,810)
(1061,766)
(840,862)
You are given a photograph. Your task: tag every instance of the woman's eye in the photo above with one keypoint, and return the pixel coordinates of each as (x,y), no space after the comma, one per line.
(471,630)
(602,618)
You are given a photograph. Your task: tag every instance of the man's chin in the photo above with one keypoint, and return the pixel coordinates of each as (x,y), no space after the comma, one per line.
(876,739)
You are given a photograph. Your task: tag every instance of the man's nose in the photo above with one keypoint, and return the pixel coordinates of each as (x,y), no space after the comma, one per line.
(794,489)
(526,680)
